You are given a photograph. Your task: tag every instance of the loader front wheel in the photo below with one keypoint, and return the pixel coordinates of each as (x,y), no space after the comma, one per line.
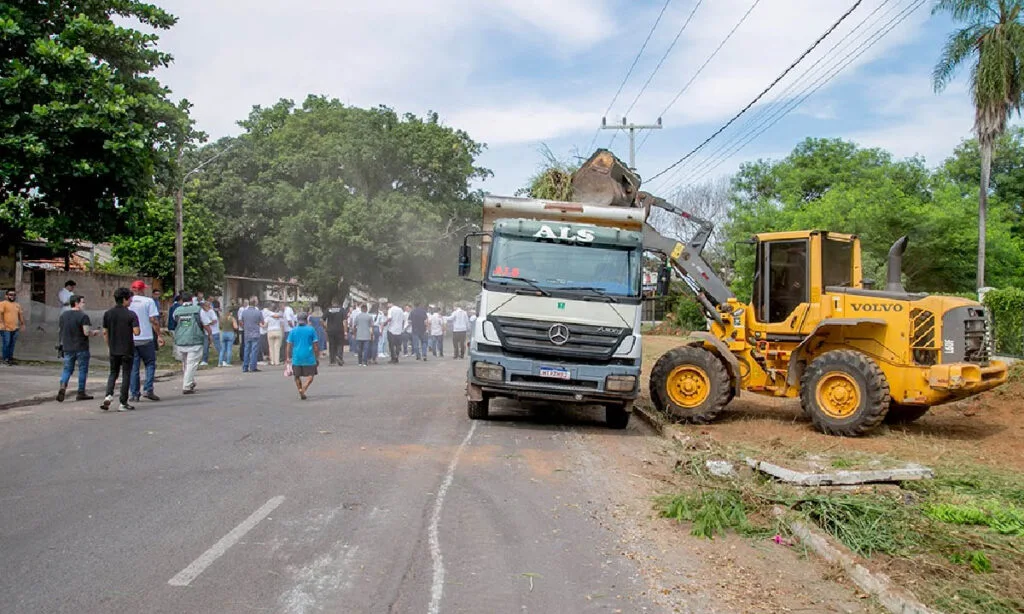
(690,383)
(845,393)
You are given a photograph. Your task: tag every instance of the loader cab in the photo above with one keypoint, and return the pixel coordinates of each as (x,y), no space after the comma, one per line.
(793,269)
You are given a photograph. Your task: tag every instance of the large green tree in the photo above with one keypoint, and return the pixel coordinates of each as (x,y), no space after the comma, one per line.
(830,184)
(337,195)
(84,126)
(992,40)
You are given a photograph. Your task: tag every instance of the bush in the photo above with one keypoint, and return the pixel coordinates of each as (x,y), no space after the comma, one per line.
(1007,309)
(689,314)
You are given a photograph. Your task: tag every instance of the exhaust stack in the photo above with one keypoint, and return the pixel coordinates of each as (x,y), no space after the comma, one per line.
(893,281)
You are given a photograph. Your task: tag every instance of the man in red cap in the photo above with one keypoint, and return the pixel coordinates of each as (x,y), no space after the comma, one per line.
(146,342)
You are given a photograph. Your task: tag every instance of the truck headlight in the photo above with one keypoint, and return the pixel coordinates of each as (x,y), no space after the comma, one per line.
(620,383)
(490,333)
(487,371)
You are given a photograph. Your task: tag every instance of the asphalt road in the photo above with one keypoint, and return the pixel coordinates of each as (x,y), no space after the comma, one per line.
(375,495)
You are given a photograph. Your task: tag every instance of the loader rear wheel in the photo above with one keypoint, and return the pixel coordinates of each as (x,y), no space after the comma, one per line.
(690,383)
(904,414)
(845,393)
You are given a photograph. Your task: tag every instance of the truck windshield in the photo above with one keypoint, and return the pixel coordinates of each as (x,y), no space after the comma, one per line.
(589,268)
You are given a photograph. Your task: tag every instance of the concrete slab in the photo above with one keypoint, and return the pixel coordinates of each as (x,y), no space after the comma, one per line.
(905,473)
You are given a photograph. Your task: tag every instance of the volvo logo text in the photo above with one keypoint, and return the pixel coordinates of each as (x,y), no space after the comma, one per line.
(876,306)
(559,334)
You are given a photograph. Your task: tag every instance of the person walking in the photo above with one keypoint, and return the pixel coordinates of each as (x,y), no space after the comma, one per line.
(12,321)
(75,330)
(275,334)
(175,303)
(437,333)
(189,334)
(353,343)
(303,353)
(146,342)
(64,296)
(407,332)
(395,324)
(362,333)
(380,333)
(252,323)
(418,324)
(211,323)
(316,322)
(227,339)
(336,321)
(120,326)
(460,324)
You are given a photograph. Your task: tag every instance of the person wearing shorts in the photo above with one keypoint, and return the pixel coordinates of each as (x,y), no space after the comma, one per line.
(302,354)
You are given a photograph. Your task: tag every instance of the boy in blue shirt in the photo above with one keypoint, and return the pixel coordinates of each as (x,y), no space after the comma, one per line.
(302,354)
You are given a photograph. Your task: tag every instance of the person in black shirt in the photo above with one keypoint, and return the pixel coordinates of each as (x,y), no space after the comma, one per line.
(120,324)
(336,318)
(75,330)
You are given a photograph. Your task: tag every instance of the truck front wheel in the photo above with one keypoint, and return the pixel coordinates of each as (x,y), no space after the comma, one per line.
(478,410)
(690,383)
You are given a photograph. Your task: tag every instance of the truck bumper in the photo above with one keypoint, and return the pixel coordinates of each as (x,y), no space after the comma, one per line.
(520,379)
(967,378)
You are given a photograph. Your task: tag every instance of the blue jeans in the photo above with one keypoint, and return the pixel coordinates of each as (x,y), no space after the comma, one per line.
(437,345)
(377,344)
(420,343)
(227,346)
(206,346)
(9,337)
(144,354)
(364,348)
(80,357)
(250,354)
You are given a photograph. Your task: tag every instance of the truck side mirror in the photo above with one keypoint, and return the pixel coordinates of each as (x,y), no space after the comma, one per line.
(465,257)
(664,280)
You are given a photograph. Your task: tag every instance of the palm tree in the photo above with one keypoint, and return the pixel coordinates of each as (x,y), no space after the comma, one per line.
(993,37)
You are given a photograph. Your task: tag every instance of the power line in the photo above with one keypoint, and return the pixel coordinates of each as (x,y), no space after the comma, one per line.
(664,56)
(702,67)
(631,67)
(763,92)
(811,89)
(780,97)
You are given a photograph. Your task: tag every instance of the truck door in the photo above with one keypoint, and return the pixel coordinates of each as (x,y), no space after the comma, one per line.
(782,287)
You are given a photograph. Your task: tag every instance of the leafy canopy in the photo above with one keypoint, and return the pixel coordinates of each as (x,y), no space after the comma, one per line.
(84,126)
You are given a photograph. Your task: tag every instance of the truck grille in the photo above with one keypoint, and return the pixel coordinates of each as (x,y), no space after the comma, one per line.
(976,340)
(532,338)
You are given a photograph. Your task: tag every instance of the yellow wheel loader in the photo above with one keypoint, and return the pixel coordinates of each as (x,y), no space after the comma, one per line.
(815,329)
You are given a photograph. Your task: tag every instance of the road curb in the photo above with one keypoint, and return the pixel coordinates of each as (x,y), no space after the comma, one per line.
(41,398)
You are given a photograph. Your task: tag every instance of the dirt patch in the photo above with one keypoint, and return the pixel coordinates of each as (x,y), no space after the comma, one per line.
(986,429)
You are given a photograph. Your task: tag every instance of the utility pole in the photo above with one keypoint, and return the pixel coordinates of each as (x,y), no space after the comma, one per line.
(632,128)
(179,220)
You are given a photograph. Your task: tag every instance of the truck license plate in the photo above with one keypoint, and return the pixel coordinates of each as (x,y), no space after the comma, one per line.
(555,373)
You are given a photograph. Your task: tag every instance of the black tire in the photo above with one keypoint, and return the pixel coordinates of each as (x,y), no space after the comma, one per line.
(616,416)
(861,372)
(717,379)
(478,410)
(904,414)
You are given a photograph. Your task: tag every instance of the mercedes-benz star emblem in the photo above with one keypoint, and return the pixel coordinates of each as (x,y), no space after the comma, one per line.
(559,334)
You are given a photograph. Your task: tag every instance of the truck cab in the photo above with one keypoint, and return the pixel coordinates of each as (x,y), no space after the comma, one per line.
(560,308)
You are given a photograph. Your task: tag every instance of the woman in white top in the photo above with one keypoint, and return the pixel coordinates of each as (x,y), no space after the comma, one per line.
(275,334)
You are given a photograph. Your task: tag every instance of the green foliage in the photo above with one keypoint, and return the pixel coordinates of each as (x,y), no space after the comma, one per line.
(1003,519)
(1007,181)
(866,525)
(1007,308)
(84,126)
(977,560)
(553,180)
(712,512)
(830,184)
(338,195)
(689,314)
(149,249)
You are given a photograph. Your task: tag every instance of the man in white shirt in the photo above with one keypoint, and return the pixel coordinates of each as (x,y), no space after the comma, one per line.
(407,331)
(460,324)
(64,296)
(396,326)
(146,342)
(352,341)
(210,321)
(436,323)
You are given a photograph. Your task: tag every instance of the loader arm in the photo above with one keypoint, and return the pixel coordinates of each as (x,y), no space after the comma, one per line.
(687,260)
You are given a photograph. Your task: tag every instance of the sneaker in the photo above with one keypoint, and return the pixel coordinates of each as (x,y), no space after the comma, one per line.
(188,391)
(204,364)
(192,386)
(105,405)
(134,399)
(125,407)
(60,394)
(152,396)
(83,396)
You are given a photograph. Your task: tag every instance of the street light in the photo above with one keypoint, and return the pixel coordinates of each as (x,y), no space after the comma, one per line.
(179,220)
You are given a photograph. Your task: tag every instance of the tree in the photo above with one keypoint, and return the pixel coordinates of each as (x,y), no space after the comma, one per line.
(993,36)
(84,126)
(338,195)
(1006,181)
(149,249)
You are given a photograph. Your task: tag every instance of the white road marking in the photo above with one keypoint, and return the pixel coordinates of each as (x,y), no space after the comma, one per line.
(437,587)
(198,566)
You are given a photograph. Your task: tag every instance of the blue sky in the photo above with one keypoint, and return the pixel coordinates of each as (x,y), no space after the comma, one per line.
(522,74)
